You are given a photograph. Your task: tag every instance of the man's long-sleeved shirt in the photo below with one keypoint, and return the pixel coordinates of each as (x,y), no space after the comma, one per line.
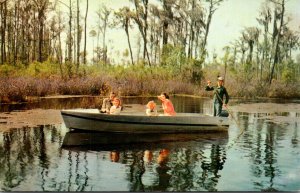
(219,93)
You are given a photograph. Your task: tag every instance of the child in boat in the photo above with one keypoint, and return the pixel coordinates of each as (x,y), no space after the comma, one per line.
(151,109)
(107,103)
(167,105)
(116,108)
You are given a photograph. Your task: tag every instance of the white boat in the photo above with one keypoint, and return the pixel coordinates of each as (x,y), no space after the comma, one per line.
(141,123)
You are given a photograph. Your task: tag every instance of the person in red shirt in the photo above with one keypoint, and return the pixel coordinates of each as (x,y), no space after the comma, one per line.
(167,105)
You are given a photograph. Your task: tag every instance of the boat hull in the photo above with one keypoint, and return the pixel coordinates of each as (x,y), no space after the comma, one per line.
(139,123)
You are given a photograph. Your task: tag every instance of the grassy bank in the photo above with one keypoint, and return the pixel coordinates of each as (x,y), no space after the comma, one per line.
(18,83)
(17,89)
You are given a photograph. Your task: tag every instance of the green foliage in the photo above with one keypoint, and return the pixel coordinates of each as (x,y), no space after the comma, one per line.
(46,69)
(69,69)
(288,74)
(191,71)
(197,73)
(174,61)
(173,55)
(8,70)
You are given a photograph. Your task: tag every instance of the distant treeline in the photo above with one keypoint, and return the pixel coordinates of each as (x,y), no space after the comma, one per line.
(37,37)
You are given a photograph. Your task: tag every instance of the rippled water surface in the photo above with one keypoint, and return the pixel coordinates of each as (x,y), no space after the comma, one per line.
(266,157)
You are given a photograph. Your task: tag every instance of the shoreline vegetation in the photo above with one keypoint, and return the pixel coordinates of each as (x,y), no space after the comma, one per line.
(22,84)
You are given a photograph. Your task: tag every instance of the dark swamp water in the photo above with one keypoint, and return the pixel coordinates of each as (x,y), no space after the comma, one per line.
(265,157)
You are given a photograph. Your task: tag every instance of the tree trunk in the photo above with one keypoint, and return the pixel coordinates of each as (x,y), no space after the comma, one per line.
(78,38)
(203,47)
(143,28)
(74,43)
(104,48)
(169,16)
(10,43)
(251,44)
(85,32)
(276,55)
(70,39)
(130,50)
(41,39)
(192,34)
(165,33)
(41,8)
(3,31)
(16,33)
(146,28)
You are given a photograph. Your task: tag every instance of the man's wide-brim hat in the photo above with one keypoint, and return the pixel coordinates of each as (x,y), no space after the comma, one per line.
(220,78)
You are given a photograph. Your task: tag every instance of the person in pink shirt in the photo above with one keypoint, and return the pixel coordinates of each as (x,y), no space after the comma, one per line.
(167,105)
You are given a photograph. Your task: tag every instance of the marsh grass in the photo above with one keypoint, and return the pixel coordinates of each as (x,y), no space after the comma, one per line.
(18,83)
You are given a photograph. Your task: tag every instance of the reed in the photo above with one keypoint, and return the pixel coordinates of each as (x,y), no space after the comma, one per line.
(17,84)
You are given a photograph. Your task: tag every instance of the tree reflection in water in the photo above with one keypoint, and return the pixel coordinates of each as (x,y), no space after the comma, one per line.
(32,159)
(137,169)
(34,156)
(176,169)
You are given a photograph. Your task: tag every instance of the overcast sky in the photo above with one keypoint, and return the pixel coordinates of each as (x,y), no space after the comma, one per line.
(231,17)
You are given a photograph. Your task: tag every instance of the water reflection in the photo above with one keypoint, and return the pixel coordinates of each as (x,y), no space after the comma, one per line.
(114,156)
(94,140)
(265,143)
(162,171)
(31,159)
(19,150)
(148,155)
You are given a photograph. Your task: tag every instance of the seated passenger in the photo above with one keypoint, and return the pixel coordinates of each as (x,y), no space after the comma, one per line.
(116,108)
(151,109)
(167,105)
(107,103)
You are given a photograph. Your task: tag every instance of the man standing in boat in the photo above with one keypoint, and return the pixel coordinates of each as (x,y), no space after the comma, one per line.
(219,92)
